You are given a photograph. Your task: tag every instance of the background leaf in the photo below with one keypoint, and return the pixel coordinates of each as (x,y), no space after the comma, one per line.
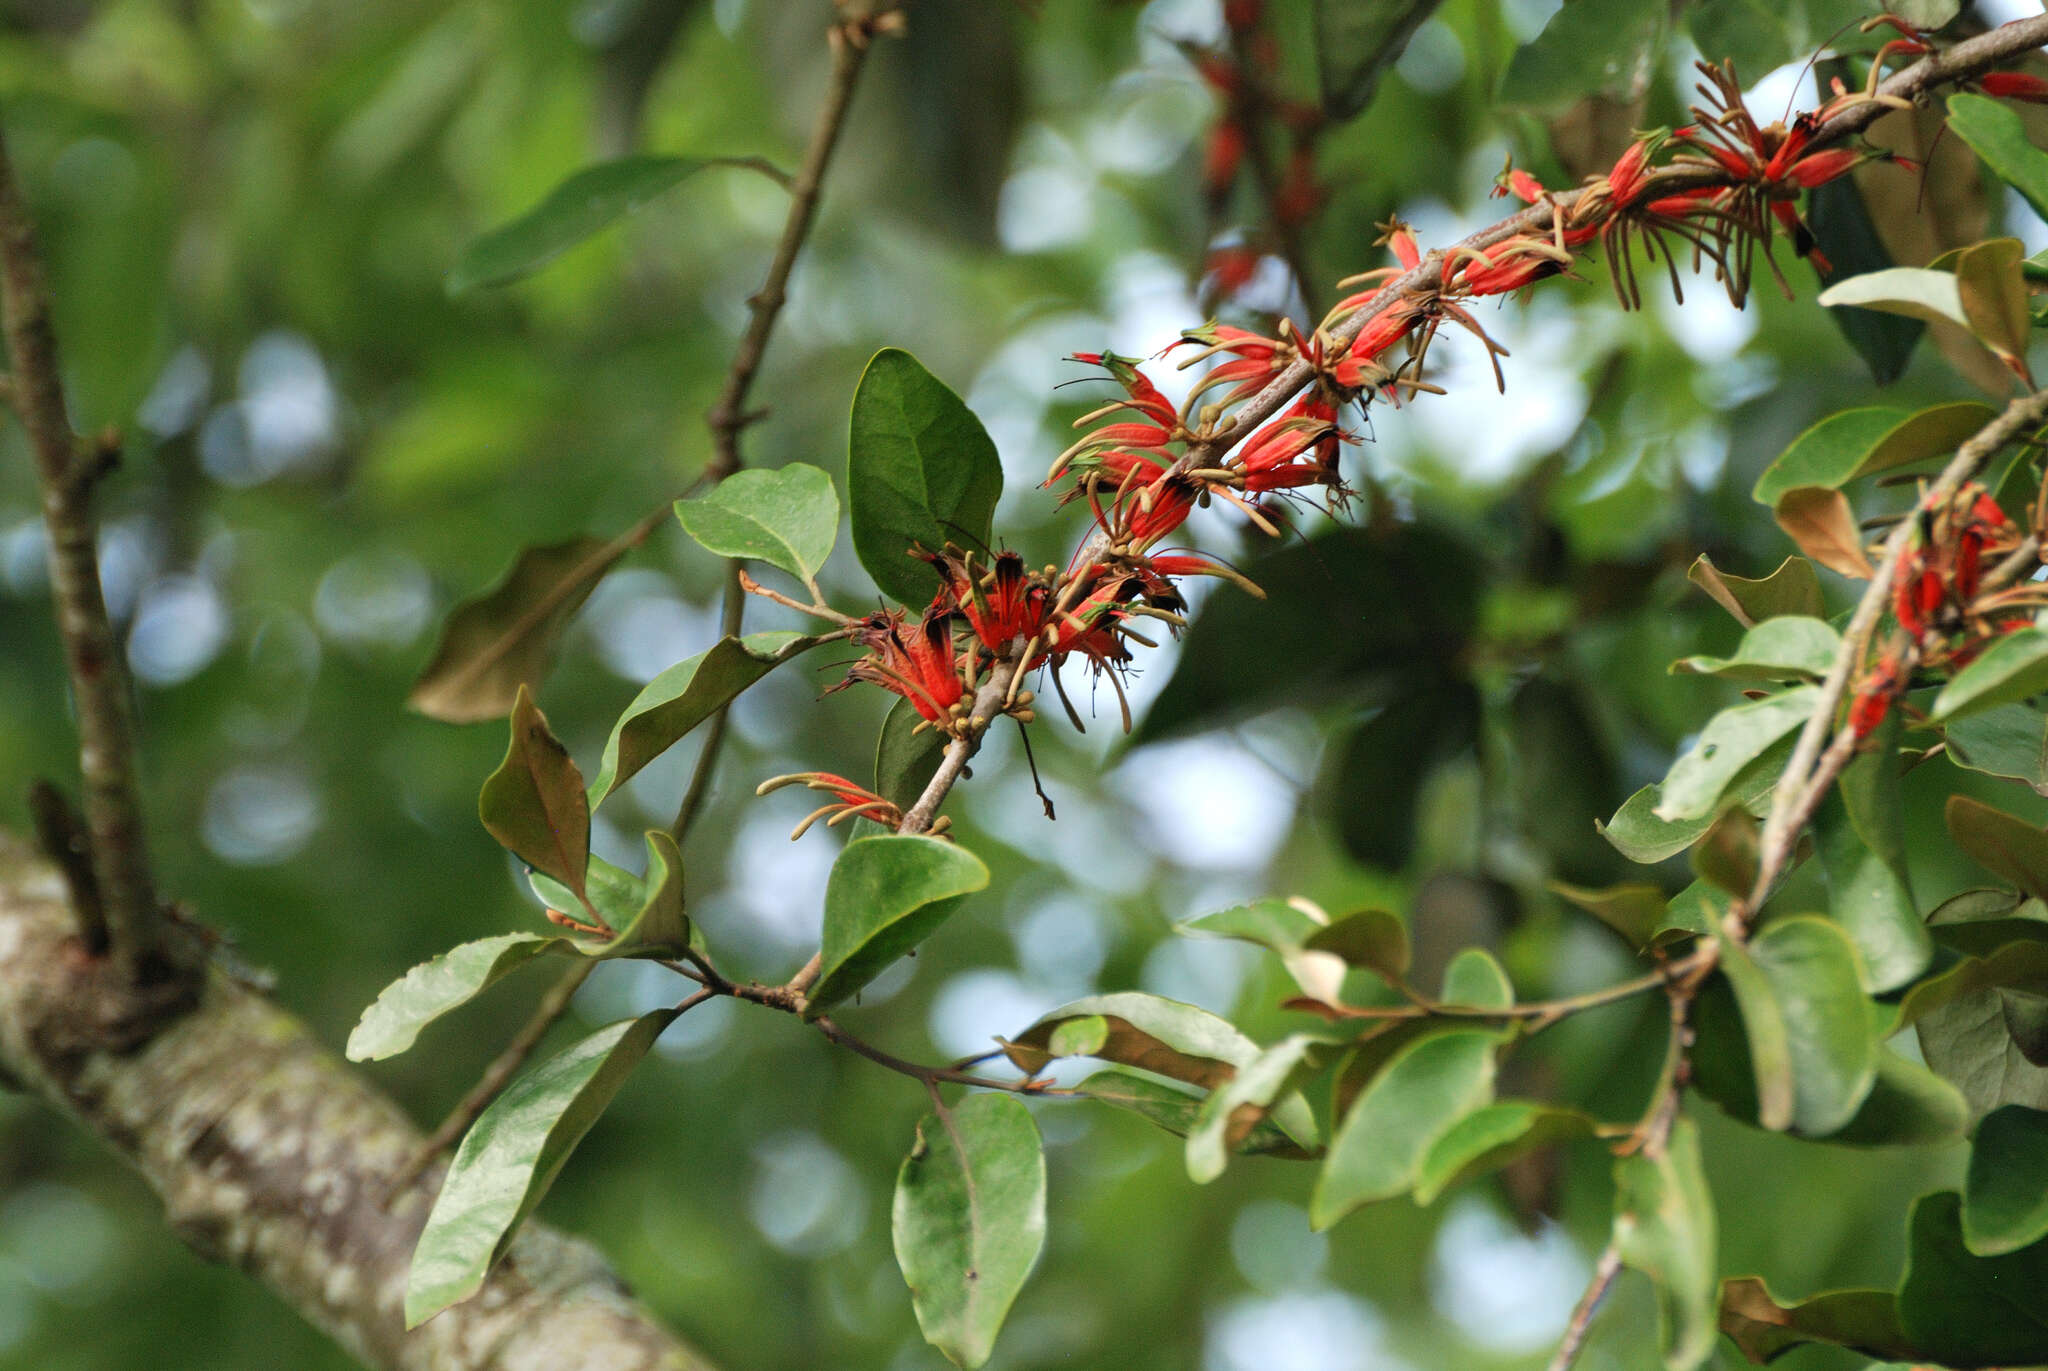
(534,803)
(1996,134)
(2005,1198)
(1356,41)
(1963,1310)
(1664,1227)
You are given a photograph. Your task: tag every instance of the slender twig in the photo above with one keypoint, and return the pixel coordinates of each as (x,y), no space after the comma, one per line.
(932,1075)
(1604,1272)
(729,415)
(136,928)
(498,1074)
(1542,1012)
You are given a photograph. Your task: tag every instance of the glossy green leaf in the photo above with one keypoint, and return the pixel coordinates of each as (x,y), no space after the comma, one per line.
(2005,740)
(1238,1105)
(2008,847)
(1766,1033)
(534,802)
(920,469)
(393,1021)
(2013,668)
(1380,1147)
(906,755)
(885,896)
(1732,739)
(503,641)
(1816,979)
(684,696)
(1475,980)
(1863,442)
(512,1154)
(579,207)
(1356,42)
(1866,1321)
(788,518)
(1664,1227)
(969,1220)
(1640,835)
(1794,588)
(1492,1137)
(1589,47)
(2005,1198)
(1916,292)
(1997,134)
(1962,1310)
(646,913)
(1175,1108)
(1789,645)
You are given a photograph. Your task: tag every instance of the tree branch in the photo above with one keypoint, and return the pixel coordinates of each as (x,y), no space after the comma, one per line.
(274,1156)
(137,933)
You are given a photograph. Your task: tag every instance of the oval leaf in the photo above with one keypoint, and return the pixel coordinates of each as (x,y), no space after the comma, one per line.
(1788,645)
(1380,1147)
(685,695)
(1816,981)
(1997,134)
(1792,589)
(2012,669)
(885,896)
(394,1020)
(2000,843)
(2005,1199)
(1862,442)
(1822,523)
(1916,292)
(510,1157)
(1731,740)
(920,469)
(504,640)
(1960,1309)
(788,518)
(1146,1031)
(1488,1139)
(969,1220)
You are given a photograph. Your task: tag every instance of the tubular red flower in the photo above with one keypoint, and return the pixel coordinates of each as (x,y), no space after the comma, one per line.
(2014,85)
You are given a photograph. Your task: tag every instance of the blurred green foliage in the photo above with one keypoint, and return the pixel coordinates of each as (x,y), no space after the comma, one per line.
(249,207)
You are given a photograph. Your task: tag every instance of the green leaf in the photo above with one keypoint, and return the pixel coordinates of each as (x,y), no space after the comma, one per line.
(1154,1034)
(1371,939)
(969,1220)
(1729,855)
(1962,1310)
(1664,1227)
(1731,740)
(1382,769)
(2006,740)
(1749,33)
(1847,236)
(1641,836)
(1381,1145)
(685,695)
(1861,826)
(1908,1106)
(906,757)
(391,1023)
(920,469)
(1475,980)
(788,518)
(1789,645)
(503,641)
(1356,41)
(1998,135)
(1176,1108)
(2001,844)
(1816,979)
(1490,1138)
(2005,1198)
(579,207)
(1916,292)
(1238,1105)
(1994,294)
(1285,930)
(885,896)
(1589,47)
(1793,588)
(2013,668)
(534,803)
(1863,442)
(1865,1320)
(1635,911)
(1962,1018)
(646,914)
(510,1157)
(1766,1032)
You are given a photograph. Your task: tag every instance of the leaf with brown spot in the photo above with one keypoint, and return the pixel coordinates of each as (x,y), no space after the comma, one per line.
(1822,523)
(503,640)
(534,802)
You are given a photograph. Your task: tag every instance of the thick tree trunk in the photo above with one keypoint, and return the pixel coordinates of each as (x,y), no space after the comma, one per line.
(273,1154)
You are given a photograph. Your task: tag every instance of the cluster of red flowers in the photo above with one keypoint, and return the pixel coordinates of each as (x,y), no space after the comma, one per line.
(1946,615)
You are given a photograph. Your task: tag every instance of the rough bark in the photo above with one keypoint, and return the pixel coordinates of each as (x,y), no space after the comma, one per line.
(272,1154)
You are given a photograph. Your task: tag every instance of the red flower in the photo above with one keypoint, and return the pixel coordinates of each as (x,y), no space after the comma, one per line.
(918,665)
(2014,85)
(1001,606)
